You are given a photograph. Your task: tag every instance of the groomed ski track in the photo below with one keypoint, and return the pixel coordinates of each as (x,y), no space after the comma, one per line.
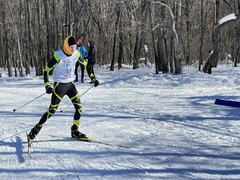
(170,121)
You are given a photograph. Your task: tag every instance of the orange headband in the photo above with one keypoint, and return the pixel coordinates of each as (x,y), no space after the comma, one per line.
(66,47)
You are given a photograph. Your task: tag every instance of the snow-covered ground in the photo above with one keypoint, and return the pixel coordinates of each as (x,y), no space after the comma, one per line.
(173,128)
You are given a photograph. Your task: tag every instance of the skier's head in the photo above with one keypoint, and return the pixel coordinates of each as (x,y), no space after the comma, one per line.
(90,44)
(69,45)
(79,43)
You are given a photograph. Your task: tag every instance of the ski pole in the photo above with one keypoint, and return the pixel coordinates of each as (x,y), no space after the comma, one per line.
(80,95)
(29,102)
(13,135)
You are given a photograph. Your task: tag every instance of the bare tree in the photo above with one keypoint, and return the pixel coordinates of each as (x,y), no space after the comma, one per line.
(16,33)
(213,58)
(216,39)
(120,28)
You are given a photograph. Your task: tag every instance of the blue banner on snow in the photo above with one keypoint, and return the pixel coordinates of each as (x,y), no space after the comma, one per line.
(227,103)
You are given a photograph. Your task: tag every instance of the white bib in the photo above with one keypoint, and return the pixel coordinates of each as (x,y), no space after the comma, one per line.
(63,71)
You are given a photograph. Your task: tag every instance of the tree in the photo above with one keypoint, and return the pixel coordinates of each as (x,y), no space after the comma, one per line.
(216,39)
(31,30)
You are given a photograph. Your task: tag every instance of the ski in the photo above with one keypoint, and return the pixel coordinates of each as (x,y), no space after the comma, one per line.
(29,143)
(88,140)
(108,144)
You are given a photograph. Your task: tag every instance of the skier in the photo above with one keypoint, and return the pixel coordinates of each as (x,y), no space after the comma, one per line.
(91,61)
(82,63)
(62,64)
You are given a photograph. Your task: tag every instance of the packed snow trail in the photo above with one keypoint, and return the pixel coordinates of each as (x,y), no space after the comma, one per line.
(170,122)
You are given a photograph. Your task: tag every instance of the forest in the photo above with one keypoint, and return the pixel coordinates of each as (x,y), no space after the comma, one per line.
(167,33)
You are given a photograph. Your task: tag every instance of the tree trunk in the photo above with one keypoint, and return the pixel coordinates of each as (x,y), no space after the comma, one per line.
(28,36)
(49,37)
(16,33)
(172,50)
(115,40)
(136,50)
(39,65)
(177,54)
(163,65)
(153,41)
(120,56)
(201,38)
(213,58)
(188,58)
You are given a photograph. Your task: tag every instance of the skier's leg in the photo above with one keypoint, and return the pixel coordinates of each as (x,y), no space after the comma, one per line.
(88,70)
(76,71)
(93,71)
(55,100)
(82,72)
(75,98)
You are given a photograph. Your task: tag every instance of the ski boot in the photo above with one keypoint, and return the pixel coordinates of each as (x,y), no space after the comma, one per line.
(35,130)
(78,135)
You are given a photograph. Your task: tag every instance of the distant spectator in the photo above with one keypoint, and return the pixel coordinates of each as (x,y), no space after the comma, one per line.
(82,63)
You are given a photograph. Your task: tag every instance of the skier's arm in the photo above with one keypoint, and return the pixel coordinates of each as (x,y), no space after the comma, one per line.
(84,52)
(80,58)
(76,70)
(77,65)
(48,68)
(84,56)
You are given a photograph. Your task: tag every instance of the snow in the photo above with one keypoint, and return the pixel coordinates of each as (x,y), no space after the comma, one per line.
(227,18)
(170,122)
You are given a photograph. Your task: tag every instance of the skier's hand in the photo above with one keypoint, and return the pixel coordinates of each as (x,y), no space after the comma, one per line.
(96,83)
(48,89)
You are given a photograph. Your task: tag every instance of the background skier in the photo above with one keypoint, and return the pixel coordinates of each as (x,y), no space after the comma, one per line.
(82,63)
(91,61)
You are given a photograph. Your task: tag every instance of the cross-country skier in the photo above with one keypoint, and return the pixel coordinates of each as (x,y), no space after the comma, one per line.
(91,61)
(82,63)
(63,65)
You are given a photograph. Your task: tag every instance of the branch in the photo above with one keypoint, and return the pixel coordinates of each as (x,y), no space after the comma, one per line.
(227,3)
(173,19)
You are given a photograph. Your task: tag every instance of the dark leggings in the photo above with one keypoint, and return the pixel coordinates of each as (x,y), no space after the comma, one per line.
(82,70)
(90,71)
(59,91)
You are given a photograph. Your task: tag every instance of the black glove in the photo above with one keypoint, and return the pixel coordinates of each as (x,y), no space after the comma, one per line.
(48,89)
(96,83)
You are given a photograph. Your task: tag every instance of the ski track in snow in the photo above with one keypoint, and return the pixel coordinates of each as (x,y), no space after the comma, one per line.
(170,121)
